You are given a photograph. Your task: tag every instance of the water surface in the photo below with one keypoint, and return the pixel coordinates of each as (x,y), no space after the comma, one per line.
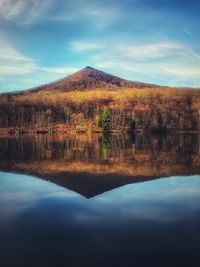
(116,201)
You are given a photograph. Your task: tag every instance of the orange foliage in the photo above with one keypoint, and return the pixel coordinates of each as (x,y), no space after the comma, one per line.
(124,96)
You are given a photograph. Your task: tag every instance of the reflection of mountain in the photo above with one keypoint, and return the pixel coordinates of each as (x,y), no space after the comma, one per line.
(93,166)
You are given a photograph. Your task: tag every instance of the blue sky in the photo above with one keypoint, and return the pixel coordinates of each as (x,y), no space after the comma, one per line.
(154,41)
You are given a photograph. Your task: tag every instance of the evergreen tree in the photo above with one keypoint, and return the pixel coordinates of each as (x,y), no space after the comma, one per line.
(105,120)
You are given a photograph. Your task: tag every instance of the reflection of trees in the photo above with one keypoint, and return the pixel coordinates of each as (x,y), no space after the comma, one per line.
(81,147)
(105,144)
(97,163)
(148,155)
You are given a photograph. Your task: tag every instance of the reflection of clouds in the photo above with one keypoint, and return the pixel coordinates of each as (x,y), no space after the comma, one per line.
(164,200)
(63,194)
(167,199)
(20,192)
(2,188)
(154,214)
(158,189)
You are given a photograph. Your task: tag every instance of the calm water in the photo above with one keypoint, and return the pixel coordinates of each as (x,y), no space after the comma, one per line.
(93,201)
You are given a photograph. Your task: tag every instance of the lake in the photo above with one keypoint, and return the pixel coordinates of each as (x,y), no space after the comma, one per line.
(86,200)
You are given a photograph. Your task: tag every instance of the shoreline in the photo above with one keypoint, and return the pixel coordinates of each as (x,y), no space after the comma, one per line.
(63,129)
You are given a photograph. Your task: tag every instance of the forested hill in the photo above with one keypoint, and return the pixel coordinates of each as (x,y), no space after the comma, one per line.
(90,78)
(92,100)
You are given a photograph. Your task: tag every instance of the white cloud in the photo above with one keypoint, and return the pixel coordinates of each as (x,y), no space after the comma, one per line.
(149,51)
(8,52)
(103,16)
(16,70)
(25,68)
(138,72)
(85,46)
(20,71)
(13,61)
(182,71)
(104,65)
(24,11)
(60,70)
(11,9)
(119,49)
(167,63)
(29,11)
(95,13)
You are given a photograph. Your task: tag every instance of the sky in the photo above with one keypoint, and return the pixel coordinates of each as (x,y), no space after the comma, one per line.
(154,41)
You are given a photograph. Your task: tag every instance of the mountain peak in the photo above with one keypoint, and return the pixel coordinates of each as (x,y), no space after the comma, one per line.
(85,71)
(89,70)
(88,67)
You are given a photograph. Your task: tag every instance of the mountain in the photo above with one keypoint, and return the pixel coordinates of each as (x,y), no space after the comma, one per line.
(90,78)
(92,101)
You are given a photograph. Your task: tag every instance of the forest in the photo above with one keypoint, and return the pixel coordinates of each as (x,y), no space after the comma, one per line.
(116,111)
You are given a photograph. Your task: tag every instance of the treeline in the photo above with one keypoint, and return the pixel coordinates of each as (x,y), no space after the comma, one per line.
(139,113)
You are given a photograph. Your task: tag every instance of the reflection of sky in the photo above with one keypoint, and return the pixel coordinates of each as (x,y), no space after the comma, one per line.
(155,223)
(20,192)
(162,199)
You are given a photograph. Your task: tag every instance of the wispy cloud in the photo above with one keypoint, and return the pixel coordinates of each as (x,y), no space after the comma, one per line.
(10,9)
(168,63)
(182,71)
(149,51)
(20,71)
(85,46)
(8,52)
(13,61)
(89,11)
(23,11)
(136,51)
(103,16)
(58,70)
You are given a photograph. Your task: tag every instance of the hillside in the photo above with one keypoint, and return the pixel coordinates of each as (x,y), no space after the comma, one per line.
(94,101)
